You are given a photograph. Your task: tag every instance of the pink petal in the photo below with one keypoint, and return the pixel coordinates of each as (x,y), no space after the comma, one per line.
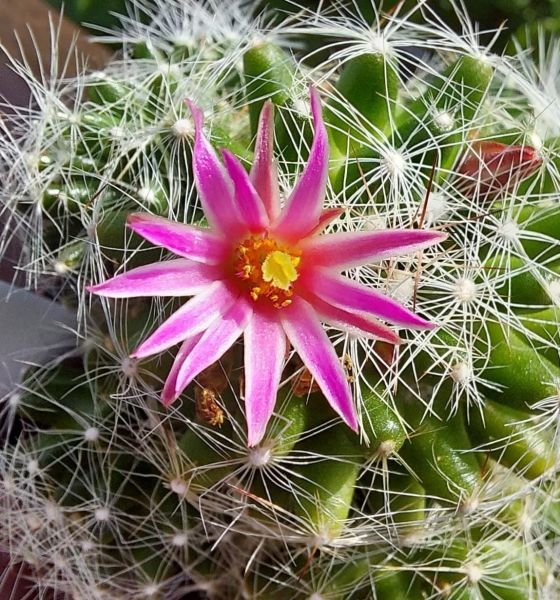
(249,203)
(214,186)
(168,394)
(216,340)
(263,172)
(265,348)
(351,296)
(192,318)
(327,217)
(179,277)
(310,341)
(354,324)
(303,208)
(346,250)
(185,240)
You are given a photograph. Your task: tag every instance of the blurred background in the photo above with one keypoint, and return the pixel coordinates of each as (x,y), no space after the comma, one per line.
(488,13)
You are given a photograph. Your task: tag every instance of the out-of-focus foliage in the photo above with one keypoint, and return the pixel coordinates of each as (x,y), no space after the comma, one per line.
(489,13)
(92,12)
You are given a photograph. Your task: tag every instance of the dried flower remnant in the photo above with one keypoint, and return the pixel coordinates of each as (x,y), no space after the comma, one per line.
(207,408)
(304,383)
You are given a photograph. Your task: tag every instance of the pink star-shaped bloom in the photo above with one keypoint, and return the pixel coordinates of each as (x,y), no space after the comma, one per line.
(266,273)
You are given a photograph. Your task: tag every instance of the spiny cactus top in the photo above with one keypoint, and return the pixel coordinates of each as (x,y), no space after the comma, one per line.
(452,487)
(266,273)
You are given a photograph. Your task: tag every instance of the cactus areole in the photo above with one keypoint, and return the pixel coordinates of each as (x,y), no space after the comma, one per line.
(265,272)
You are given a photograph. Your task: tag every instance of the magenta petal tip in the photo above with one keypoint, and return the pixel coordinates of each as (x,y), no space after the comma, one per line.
(315,102)
(392,338)
(133,218)
(254,438)
(168,399)
(197,115)
(97,288)
(422,324)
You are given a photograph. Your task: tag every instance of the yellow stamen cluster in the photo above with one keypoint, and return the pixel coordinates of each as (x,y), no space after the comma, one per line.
(267,269)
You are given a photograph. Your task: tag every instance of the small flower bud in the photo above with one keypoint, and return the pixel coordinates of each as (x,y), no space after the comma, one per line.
(491,168)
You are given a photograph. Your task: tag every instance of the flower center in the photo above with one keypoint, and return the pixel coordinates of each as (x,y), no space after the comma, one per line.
(279,269)
(267,269)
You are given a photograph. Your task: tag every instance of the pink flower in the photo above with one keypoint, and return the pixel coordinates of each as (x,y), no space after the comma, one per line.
(265,273)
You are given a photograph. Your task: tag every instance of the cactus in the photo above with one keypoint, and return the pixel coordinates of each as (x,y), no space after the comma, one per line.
(449,486)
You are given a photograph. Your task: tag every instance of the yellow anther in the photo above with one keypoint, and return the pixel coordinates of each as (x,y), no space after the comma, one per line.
(255,292)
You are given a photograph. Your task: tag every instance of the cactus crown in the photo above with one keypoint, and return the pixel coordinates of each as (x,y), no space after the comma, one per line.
(449,489)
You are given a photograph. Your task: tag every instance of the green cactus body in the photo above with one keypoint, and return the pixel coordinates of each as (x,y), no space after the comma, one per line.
(446,111)
(222,138)
(546,222)
(439,455)
(284,431)
(344,581)
(546,325)
(108,91)
(114,238)
(509,563)
(327,486)
(381,426)
(404,503)
(523,287)
(269,73)
(517,441)
(209,462)
(77,405)
(287,426)
(356,176)
(370,85)
(393,582)
(525,376)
